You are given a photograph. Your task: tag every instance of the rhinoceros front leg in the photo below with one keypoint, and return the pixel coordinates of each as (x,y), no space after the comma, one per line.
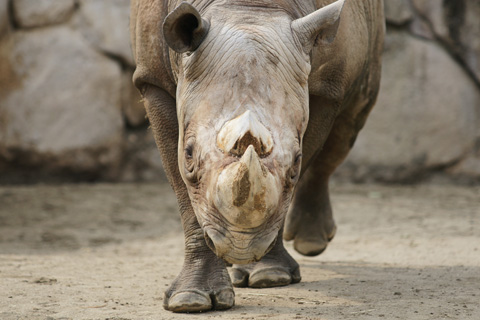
(203,283)
(276,268)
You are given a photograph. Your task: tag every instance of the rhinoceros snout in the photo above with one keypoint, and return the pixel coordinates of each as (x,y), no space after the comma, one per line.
(240,133)
(239,250)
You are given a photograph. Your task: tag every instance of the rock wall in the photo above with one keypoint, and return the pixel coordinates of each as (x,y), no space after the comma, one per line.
(68,110)
(426,123)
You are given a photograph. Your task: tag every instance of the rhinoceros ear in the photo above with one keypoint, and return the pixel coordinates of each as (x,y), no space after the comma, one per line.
(319,26)
(184,29)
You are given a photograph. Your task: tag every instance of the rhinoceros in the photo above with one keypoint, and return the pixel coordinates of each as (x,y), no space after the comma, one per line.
(253,104)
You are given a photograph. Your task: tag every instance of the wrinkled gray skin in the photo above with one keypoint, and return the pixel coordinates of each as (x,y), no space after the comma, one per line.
(249,101)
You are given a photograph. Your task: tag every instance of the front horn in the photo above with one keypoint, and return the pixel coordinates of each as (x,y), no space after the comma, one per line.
(246,192)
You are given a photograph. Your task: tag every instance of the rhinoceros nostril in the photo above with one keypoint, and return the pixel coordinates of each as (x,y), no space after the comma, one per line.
(270,247)
(209,242)
(248,140)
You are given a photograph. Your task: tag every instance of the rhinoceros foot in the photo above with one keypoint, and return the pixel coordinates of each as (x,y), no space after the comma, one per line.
(276,269)
(202,285)
(311,239)
(310,221)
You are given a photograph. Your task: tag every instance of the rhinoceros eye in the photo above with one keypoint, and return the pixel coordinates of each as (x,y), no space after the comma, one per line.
(189,152)
(298,158)
(190,172)
(189,163)
(295,170)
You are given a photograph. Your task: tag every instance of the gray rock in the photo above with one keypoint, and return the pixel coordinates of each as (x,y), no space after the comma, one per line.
(422,29)
(433,11)
(425,116)
(105,24)
(142,161)
(38,13)
(398,12)
(62,105)
(4,19)
(457,24)
(468,169)
(470,37)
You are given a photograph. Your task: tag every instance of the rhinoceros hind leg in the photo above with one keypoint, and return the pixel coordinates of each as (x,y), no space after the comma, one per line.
(276,269)
(310,221)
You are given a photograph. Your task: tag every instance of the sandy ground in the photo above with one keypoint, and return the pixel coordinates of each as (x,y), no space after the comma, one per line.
(110,251)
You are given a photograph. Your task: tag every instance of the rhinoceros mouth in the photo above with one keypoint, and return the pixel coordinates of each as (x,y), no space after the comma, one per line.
(239,248)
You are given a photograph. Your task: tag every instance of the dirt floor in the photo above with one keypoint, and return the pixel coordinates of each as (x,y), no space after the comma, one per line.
(110,251)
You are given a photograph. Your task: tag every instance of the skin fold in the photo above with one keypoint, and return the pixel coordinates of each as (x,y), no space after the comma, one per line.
(253,104)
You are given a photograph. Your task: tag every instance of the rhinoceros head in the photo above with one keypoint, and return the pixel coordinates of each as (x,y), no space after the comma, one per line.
(242,107)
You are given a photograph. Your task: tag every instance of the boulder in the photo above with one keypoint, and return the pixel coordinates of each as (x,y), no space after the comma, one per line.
(398,12)
(142,160)
(4,18)
(421,28)
(457,24)
(468,169)
(105,24)
(425,117)
(62,105)
(470,38)
(39,13)
(434,12)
